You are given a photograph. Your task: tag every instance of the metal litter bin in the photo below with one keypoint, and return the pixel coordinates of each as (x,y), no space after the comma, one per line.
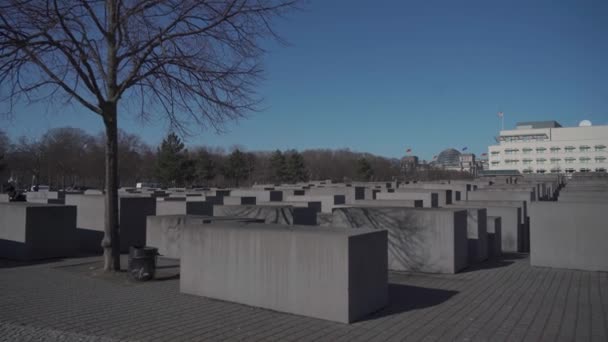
(142,262)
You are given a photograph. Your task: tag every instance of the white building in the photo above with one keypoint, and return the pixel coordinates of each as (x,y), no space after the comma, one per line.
(547,147)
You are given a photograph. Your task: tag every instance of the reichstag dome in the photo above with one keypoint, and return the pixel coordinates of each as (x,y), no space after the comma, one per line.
(448,157)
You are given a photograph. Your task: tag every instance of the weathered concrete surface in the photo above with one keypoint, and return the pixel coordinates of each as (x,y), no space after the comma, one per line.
(240,200)
(4,198)
(164,232)
(37,231)
(43,197)
(429,199)
(477,232)
(334,274)
(90,220)
(287,215)
(444,196)
(494,236)
(512,223)
(389,203)
(328,202)
(458,191)
(569,235)
(425,240)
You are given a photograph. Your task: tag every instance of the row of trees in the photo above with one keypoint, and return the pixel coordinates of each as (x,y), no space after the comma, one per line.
(70,157)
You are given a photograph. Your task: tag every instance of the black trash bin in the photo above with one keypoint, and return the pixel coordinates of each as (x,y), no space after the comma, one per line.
(142,262)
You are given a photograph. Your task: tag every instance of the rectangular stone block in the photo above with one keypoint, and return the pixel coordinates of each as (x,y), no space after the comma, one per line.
(37,231)
(333,274)
(164,232)
(424,240)
(512,223)
(477,233)
(389,203)
(286,215)
(494,236)
(429,199)
(90,220)
(328,202)
(569,235)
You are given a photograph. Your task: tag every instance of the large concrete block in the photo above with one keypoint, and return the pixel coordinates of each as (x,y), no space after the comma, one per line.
(569,235)
(477,232)
(333,274)
(164,232)
(4,198)
(90,220)
(425,240)
(389,203)
(494,236)
(328,202)
(512,222)
(429,199)
(287,215)
(37,231)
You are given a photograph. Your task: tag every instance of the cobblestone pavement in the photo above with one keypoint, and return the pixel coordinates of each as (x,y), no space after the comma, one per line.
(500,300)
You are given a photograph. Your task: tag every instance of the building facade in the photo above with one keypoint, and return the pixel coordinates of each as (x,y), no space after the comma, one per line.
(547,147)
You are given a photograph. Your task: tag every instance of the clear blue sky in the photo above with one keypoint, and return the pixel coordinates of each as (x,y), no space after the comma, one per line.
(383,76)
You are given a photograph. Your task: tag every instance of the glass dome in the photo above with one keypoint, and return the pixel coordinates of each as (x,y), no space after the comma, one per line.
(449,157)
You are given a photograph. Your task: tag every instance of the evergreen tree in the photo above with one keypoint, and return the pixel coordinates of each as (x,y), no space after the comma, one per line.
(205,167)
(236,167)
(296,168)
(170,160)
(365,172)
(278,166)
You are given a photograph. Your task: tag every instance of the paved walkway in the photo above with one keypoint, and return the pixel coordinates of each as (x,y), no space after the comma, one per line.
(500,300)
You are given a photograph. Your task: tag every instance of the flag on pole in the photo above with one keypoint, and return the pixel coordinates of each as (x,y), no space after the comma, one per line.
(408,150)
(501,114)
(464,148)
(435,157)
(484,154)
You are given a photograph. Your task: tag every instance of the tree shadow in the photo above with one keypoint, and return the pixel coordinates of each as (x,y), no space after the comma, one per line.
(9,263)
(403,298)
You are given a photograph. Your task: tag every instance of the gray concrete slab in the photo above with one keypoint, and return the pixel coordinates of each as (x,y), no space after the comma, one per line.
(333,274)
(37,231)
(164,232)
(425,240)
(569,235)
(277,214)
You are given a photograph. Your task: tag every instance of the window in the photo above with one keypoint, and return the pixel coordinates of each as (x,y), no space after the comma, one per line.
(600,148)
(569,148)
(584,148)
(511,161)
(569,170)
(495,162)
(495,153)
(527,161)
(540,150)
(526,150)
(555,160)
(540,171)
(540,160)
(584,159)
(555,149)
(600,159)
(555,170)
(570,160)
(600,169)
(527,170)
(584,170)
(511,151)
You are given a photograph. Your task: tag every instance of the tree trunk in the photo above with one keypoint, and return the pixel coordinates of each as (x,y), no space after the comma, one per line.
(111,240)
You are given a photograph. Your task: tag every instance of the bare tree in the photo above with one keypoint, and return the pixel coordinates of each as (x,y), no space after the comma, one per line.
(192,61)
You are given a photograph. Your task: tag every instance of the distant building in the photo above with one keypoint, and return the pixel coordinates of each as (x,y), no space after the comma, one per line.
(409,164)
(547,147)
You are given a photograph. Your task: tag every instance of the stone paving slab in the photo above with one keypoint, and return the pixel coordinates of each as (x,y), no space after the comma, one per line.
(500,300)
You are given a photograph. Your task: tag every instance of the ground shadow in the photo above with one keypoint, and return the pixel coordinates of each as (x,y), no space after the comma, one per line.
(403,298)
(8,263)
(501,261)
